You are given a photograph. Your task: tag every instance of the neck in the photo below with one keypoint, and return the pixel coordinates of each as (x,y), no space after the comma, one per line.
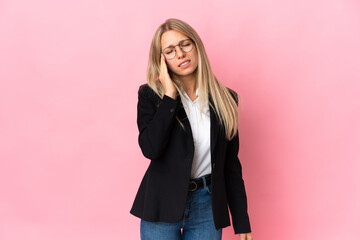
(189,83)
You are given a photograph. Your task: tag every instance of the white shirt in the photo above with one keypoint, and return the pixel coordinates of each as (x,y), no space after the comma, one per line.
(200,129)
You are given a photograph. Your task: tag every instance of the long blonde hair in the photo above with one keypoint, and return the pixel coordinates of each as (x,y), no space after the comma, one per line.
(225,106)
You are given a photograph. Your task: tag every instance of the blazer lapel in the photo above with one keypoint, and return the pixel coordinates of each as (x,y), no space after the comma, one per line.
(214,124)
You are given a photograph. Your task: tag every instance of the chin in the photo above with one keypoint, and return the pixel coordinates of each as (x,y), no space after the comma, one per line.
(185,73)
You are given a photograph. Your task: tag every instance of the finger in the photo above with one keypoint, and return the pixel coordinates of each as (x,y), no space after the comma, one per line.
(164,65)
(162,62)
(161,65)
(163,58)
(160,59)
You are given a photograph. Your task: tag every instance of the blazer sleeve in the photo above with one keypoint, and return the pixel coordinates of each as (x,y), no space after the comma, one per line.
(155,119)
(235,188)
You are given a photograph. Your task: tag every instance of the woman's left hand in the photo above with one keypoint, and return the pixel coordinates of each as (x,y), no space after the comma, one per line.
(245,236)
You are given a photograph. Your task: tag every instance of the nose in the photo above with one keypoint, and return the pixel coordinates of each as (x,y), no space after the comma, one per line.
(180,53)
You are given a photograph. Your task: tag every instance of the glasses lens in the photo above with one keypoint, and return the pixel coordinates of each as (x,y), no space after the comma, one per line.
(187,45)
(169,52)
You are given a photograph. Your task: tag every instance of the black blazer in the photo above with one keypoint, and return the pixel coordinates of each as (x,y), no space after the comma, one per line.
(164,188)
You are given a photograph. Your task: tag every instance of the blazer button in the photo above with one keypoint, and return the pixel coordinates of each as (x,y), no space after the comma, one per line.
(172,110)
(213,165)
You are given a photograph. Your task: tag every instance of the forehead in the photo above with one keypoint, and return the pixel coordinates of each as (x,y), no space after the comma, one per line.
(171,37)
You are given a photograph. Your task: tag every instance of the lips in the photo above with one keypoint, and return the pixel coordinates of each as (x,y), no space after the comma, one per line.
(183,62)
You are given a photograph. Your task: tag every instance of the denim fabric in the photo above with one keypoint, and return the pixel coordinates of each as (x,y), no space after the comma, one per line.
(197,222)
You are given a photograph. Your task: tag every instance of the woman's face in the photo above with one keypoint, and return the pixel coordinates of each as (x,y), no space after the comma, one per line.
(173,38)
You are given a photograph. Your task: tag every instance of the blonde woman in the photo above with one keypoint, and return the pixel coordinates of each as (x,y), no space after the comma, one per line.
(188,130)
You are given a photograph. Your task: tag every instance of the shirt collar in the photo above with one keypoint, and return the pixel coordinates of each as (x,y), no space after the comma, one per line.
(183,91)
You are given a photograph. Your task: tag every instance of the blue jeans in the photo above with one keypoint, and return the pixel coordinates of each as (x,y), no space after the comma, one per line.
(197,222)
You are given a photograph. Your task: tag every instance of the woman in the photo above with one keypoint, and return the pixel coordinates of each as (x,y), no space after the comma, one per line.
(188,129)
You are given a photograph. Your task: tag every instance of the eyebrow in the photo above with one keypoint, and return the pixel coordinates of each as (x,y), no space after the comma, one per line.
(178,43)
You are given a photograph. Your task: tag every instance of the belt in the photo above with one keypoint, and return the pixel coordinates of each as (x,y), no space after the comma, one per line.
(198,183)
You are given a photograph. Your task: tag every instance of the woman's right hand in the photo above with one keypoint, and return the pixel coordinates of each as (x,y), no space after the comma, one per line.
(164,78)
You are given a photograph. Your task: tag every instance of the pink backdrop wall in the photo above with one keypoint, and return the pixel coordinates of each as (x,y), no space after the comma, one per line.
(69,75)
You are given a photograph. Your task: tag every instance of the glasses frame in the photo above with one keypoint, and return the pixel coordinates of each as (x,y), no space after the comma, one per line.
(179,44)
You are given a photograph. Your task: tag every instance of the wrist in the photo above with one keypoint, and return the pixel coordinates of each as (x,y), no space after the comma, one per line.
(171,94)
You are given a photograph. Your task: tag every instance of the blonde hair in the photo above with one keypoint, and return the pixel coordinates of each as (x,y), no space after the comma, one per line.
(225,106)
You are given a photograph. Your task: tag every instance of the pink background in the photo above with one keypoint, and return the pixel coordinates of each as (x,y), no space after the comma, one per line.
(70,71)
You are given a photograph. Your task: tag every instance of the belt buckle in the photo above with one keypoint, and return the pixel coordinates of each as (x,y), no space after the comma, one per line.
(195,186)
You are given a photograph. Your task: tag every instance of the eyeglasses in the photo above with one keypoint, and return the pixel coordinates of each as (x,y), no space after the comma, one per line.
(185,45)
